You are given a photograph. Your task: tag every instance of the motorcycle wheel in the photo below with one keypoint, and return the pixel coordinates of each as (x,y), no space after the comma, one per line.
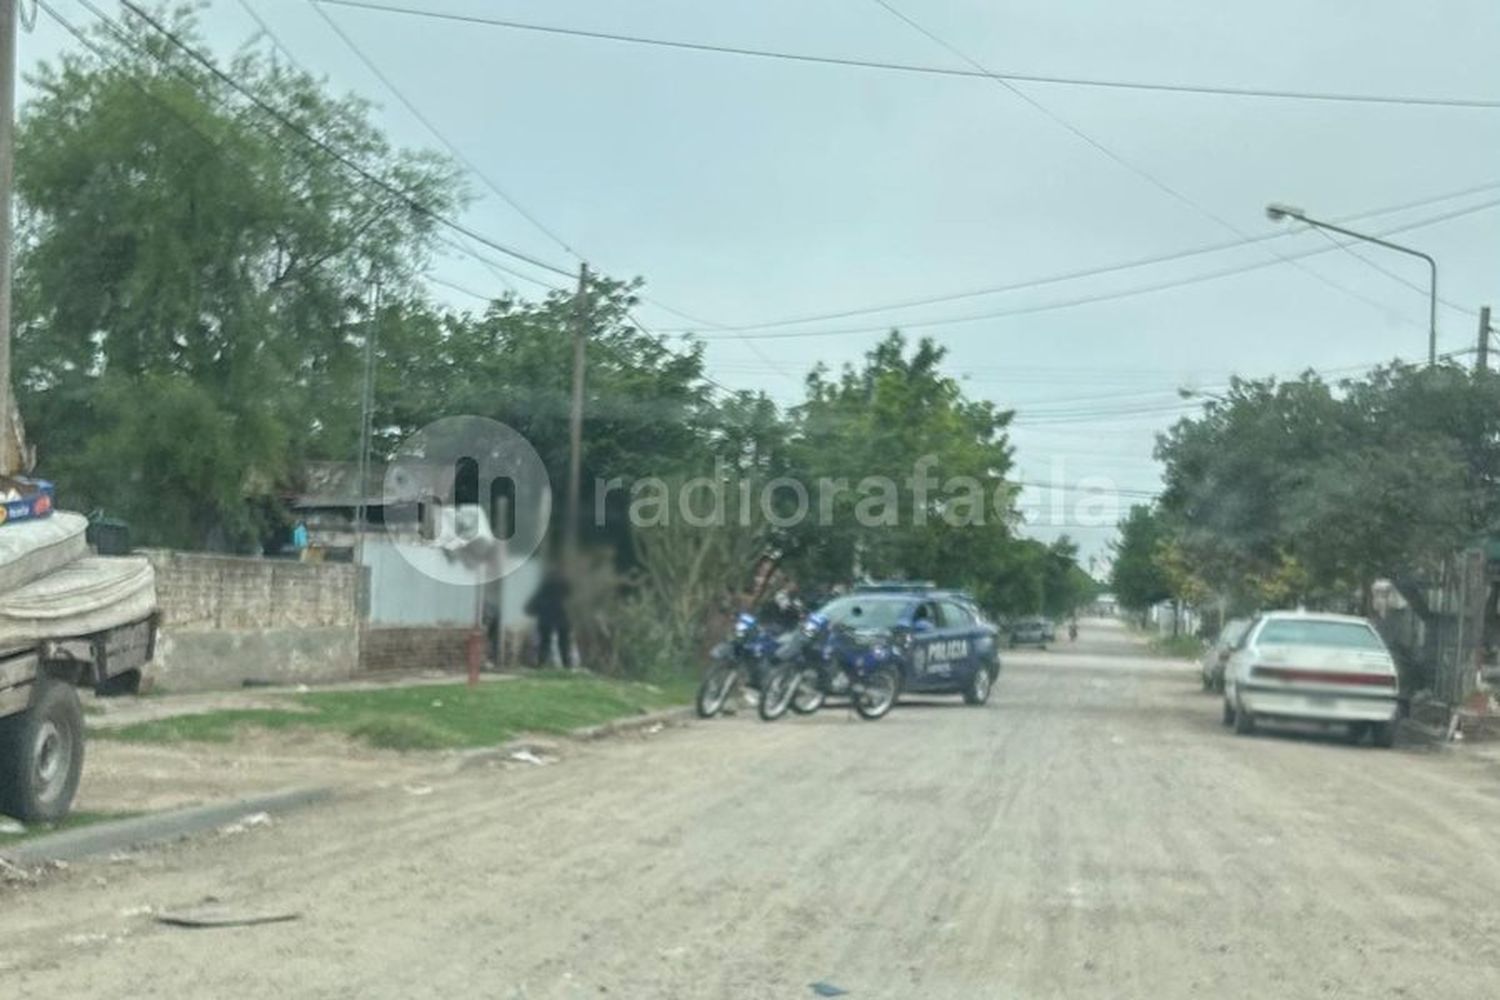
(808,696)
(715,690)
(878,693)
(776,697)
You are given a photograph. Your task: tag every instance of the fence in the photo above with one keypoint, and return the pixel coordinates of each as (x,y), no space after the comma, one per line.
(1440,628)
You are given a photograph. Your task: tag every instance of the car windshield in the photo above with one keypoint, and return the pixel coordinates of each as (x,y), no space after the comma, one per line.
(1291,632)
(863,611)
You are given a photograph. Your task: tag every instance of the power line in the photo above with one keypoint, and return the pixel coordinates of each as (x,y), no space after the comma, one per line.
(1348,246)
(1104,296)
(437,133)
(265,29)
(406,197)
(467,247)
(1114,157)
(914,68)
(1092,272)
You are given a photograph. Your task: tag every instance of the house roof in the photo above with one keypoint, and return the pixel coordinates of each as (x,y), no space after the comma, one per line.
(336,484)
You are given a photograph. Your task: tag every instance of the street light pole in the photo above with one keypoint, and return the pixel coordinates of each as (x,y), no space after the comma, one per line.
(1277,212)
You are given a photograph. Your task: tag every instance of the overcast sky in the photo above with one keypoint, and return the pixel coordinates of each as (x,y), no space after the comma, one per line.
(750,191)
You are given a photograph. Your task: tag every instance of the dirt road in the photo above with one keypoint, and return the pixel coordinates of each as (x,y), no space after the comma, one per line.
(1091,833)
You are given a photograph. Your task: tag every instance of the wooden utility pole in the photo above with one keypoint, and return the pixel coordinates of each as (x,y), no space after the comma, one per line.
(11,457)
(1482,359)
(575,419)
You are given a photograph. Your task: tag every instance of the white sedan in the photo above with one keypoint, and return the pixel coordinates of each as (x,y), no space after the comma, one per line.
(1305,666)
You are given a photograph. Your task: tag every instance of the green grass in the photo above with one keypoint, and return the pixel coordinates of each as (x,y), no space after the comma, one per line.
(428,717)
(1181,647)
(68,822)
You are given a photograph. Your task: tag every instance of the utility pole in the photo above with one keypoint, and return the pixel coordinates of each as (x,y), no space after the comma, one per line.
(11,458)
(366,406)
(575,420)
(1482,359)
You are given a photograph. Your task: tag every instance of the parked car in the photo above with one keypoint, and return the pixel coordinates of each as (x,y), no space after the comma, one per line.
(1301,666)
(1028,632)
(1212,662)
(1049,629)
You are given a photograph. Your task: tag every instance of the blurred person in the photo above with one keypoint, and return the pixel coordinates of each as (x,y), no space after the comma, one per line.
(549,606)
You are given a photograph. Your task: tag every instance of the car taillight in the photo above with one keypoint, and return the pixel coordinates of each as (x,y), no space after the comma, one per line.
(1297,676)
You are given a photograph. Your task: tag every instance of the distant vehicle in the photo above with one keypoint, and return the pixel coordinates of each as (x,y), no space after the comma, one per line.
(1211,663)
(1049,627)
(1029,632)
(1301,666)
(881,641)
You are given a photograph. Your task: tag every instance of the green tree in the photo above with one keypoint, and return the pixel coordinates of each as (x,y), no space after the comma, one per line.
(898,424)
(183,255)
(1138,579)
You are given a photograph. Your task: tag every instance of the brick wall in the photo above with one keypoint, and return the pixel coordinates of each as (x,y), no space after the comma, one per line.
(414,648)
(201,591)
(229,619)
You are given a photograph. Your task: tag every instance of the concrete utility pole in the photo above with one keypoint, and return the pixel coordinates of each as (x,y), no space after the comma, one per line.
(1482,359)
(575,420)
(366,408)
(11,457)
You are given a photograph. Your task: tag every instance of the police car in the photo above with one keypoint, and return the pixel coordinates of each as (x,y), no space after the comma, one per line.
(940,639)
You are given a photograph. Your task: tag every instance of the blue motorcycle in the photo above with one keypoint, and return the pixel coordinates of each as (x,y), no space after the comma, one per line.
(831,659)
(739,661)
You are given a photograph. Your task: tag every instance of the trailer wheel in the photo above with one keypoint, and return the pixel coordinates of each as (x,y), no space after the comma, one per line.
(41,754)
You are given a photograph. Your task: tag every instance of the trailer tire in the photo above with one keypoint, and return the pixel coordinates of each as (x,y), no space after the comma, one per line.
(41,754)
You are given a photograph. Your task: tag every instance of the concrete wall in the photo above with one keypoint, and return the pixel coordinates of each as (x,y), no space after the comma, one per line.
(227,619)
(404,592)
(419,622)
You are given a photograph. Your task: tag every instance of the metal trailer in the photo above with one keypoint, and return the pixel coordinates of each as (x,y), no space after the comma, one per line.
(41,718)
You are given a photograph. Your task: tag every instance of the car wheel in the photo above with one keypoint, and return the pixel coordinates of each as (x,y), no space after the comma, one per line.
(1244,722)
(1383,734)
(977,691)
(41,755)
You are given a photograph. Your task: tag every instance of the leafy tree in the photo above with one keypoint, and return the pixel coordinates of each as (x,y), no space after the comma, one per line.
(648,412)
(1138,579)
(898,429)
(182,254)
(1302,491)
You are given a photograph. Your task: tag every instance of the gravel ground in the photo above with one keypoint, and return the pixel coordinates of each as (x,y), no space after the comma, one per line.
(1093,832)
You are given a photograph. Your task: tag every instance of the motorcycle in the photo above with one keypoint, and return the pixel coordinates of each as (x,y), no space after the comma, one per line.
(739,661)
(826,660)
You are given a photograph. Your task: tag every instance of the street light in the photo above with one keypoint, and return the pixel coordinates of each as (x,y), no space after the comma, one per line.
(1277,212)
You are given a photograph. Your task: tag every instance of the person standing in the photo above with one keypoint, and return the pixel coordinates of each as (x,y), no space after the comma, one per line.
(549,605)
